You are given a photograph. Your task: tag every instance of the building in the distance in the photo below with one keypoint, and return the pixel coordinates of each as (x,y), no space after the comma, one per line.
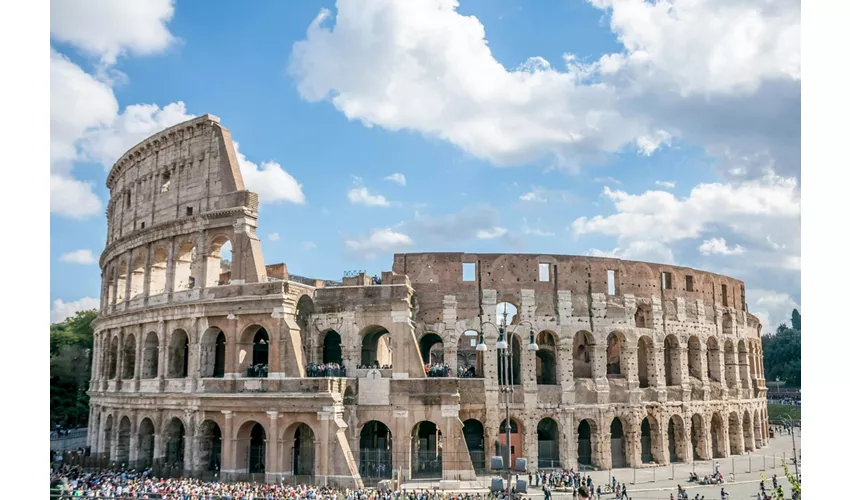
(614,363)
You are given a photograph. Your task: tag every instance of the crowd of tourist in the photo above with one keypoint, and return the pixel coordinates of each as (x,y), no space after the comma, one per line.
(438,370)
(467,372)
(325,370)
(260,370)
(375,366)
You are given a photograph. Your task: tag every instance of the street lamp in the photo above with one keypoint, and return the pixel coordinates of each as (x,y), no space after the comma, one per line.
(790,424)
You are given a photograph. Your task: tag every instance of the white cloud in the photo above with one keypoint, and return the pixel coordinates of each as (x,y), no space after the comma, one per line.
(717,246)
(361,195)
(274,236)
(543,195)
(533,196)
(650,143)
(452,228)
(645,251)
(397,178)
(62,310)
(109,29)
(383,240)
(489,234)
(72,198)
(771,307)
(606,180)
(84,256)
(272,183)
(308,245)
(665,184)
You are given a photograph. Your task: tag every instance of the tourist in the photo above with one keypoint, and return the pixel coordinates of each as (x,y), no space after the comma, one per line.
(583,494)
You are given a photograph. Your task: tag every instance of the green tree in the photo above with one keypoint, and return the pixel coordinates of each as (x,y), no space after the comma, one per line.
(795,320)
(71,343)
(782,355)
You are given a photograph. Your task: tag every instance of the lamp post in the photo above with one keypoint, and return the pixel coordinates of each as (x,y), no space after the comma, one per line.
(505,352)
(790,425)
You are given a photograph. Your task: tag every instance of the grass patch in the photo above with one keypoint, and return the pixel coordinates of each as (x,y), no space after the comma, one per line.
(778,412)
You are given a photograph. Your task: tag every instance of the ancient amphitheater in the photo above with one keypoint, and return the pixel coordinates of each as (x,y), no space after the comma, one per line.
(614,363)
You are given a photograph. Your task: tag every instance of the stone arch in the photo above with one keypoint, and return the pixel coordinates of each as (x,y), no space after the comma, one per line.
(137,276)
(672,362)
(122,452)
(183,266)
(426,451)
(643,316)
(110,281)
(546,358)
(376,346)
(174,439)
(300,458)
(376,458)
(736,434)
(178,354)
(646,360)
(517,443)
(145,443)
(431,348)
(213,353)
(468,361)
(715,368)
(121,281)
(254,351)
(107,435)
(649,445)
(331,343)
(695,357)
(251,448)
(618,443)
(473,434)
(150,356)
(583,346)
(730,362)
(218,247)
(718,448)
(159,267)
(548,446)
(507,313)
(128,357)
(587,436)
(614,354)
(749,441)
(677,445)
(113,358)
(209,446)
(513,374)
(698,439)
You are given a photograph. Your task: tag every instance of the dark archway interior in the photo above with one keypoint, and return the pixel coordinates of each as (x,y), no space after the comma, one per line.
(671,441)
(260,353)
(546,367)
(220,346)
(548,452)
(376,443)
(210,447)
(585,448)
(427,461)
(303,451)
(179,365)
(473,434)
(645,441)
(257,451)
(146,442)
(332,348)
(612,364)
(426,343)
(174,442)
(618,445)
(644,353)
(369,352)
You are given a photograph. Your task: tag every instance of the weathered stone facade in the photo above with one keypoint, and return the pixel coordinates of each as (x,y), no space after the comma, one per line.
(636,363)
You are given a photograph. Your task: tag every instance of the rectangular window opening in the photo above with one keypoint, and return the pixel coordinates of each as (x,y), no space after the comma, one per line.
(469,271)
(129,200)
(188,210)
(667,280)
(612,285)
(725,298)
(543,271)
(743,299)
(689,283)
(143,225)
(166,181)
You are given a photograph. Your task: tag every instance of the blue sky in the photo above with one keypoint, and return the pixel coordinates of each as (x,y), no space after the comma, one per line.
(666,132)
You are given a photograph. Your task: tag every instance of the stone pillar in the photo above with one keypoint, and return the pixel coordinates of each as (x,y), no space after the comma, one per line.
(189,442)
(137,369)
(170,266)
(629,367)
(146,286)
(134,437)
(273,468)
(450,354)
(568,450)
(658,372)
(228,444)
(564,367)
(531,449)
(633,445)
(599,355)
(322,444)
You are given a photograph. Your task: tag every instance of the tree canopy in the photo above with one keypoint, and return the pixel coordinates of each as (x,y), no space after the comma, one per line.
(71,344)
(782,353)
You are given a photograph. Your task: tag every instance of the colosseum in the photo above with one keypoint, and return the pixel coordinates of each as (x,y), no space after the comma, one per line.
(210,365)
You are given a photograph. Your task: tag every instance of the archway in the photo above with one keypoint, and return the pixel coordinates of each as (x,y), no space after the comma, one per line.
(129,357)
(376,459)
(121,282)
(516,442)
(694,358)
(546,359)
(582,360)
(736,435)
(618,444)
(643,316)
(122,452)
(672,363)
(426,451)
(107,437)
(303,452)
(178,355)
(513,373)
(331,347)
(676,439)
(159,265)
(646,455)
(137,276)
(717,443)
(714,363)
(468,362)
(376,349)
(506,314)
(146,443)
(175,438)
(209,446)
(113,358)
(646,360)
(183,267)
(150,356)
(431,348)
(213,353)
(586,433)
(548,450)
(698,438)
(473,434)
(613,354)
(219,261)
(259,355)
(749,441)
(251,448)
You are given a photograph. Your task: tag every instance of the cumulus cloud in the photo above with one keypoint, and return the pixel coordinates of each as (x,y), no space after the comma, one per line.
(361,195)
(108,29)
(269,180)
(771,308)
(397,178)
(84,256)
(666,184)
(384,240)
(72,198)
(489,234)
(274,236)
(62,310)
(717,246)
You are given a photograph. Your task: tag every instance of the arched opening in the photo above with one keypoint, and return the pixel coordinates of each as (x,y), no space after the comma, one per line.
(376,350)
(676,439)
(219,261)
(175,439)
(122,452)
(426,451)
(727,324)
(672,363)
(159,266)
(137,277)
(178,355)
(183,267)
(213,353)
(107,436)
(516,442)
(303,452)
(506,314)
(121,281)
(512,373)
(113,358)
(146,443)
(694,359)
(331,347)
(731,369)
(468,363)
(251,448)
(618,444)
(150,356)
(698,437)
(473,434)
(717,448)
(586,431)
(646,361)
(742,364)
(749,441)
(612,364)
(349,398)
(548,451)
(376,459)
(582,359)
(431,349)
(110,281)
(714,363)
(129,357)
(643,316)
(259,364)
(209,446)
(646,441)
(546,359)
(736,435)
